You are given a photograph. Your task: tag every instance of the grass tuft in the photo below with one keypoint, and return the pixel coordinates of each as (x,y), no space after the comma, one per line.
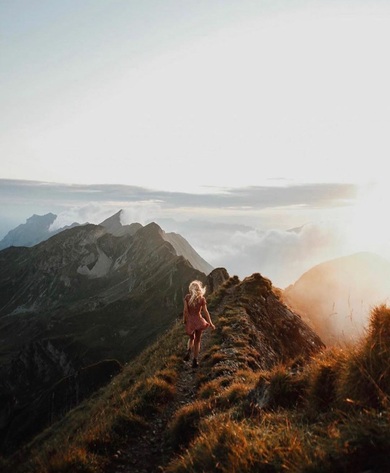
(365,379)
(184,425)
(319,415)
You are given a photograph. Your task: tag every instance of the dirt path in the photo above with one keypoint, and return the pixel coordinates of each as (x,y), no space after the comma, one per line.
(150,452)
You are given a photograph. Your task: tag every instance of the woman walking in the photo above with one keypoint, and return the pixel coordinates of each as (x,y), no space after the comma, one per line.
(194,305)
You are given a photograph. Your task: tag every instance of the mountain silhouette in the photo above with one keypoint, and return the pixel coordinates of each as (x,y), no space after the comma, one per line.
(36,229)
(336,297)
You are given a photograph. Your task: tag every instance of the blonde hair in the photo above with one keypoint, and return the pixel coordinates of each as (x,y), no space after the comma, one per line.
(196,291)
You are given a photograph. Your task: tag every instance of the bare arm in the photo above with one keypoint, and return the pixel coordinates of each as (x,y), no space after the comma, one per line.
(208,317)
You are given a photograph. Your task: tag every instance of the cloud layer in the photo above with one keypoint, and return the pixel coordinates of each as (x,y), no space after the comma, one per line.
(279,230)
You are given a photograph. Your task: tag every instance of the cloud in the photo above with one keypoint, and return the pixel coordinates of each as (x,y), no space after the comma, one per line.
(281,255)
(254,197)
(252,229)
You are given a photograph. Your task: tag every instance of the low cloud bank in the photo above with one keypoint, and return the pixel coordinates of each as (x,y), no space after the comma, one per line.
(282,256)
(245,230)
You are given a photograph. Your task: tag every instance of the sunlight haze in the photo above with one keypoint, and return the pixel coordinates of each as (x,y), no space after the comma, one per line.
(250,119)
(150,93)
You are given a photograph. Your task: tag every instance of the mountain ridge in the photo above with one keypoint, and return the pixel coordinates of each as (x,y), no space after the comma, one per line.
(252,325)
(77,299)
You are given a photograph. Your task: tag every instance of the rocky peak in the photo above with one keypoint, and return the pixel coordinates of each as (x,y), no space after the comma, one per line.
(114,225)
(216,278)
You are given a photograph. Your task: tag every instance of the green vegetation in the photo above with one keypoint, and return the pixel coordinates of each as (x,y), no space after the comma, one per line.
(326,413)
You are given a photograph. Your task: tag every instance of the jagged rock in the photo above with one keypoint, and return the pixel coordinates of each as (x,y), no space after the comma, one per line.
(114,225)
(217,277)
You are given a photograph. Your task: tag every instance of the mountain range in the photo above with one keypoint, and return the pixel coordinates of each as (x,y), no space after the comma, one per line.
(82,303)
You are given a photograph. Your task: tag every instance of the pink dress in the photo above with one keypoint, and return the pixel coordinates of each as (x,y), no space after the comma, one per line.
(195,321)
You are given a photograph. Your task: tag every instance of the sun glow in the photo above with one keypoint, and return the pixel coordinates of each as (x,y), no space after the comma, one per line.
(369,226)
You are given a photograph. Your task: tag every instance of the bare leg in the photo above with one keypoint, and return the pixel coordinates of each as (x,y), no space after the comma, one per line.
(198,336)
(190,346)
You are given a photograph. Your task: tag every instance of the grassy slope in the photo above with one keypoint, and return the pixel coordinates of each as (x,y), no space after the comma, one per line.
(324,414)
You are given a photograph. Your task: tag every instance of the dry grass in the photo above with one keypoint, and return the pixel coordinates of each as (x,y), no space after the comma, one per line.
(329,414)
(185,424)
(227,446)
(365,378)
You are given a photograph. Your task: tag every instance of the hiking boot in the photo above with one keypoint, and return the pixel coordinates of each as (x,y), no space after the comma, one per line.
(187,355)
(195,363)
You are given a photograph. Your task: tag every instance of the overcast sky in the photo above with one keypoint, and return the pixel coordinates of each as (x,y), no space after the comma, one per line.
(179,95)
(269,114)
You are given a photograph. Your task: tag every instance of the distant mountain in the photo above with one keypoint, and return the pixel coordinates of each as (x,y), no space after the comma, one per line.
(35,230)
(114,225)
(182,247)
(71,303)
(336,297)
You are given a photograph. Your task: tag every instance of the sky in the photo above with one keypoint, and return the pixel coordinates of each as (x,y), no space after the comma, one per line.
(232,122)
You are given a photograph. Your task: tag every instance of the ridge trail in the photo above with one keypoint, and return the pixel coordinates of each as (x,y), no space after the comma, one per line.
(151,452)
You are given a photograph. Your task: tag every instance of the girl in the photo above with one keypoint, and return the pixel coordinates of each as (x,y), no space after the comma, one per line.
(194,305)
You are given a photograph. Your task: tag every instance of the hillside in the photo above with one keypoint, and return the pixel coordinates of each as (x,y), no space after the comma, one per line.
(148,415)
(254,405)
(73,310)
(336,297)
